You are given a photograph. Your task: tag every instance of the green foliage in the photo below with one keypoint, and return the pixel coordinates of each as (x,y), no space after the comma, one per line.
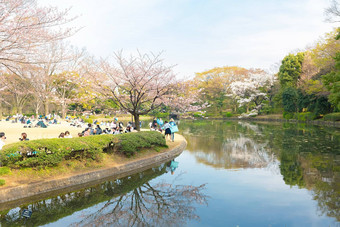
(287,115)
(332,117)
(307,116)
(50,152)
(322,106)
(4,170)
(289,100)
(199,114)
(228,114)
(290,70)
(332,83)
(162,115)
(129,144)
(2,182)
(291,170)
(87,119)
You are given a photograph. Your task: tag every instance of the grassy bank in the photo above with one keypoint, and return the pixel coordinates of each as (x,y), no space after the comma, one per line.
(32,161)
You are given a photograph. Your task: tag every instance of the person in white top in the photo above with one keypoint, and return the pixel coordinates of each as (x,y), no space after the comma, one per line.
(67,135)
(2,139)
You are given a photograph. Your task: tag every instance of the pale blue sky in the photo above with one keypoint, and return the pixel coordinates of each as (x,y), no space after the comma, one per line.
(198,35)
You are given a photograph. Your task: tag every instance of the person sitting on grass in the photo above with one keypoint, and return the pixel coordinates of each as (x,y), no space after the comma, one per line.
(99,130)
(67,135)
(23,137)
(62,135)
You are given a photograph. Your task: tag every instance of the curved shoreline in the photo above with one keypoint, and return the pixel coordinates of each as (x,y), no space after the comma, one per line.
(320,123)
(24,193)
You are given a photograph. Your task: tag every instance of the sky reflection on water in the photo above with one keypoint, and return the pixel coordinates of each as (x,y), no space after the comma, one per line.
(231,174)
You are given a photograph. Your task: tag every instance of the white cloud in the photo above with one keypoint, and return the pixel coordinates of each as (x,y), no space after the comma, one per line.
(199,35)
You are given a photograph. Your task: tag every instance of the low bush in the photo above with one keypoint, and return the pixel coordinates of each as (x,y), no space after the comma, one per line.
(50,152)
(2,182)
(227,114)
(198,114)
(288,115)
(306,116)
(129,144)
(4,170)
(162,115)
(332,117)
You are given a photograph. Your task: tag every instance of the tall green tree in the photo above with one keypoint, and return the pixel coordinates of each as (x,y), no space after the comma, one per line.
(290,70)
(332,83)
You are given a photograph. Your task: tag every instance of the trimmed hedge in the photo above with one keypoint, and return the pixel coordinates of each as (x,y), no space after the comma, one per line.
(50,152)
(332,117)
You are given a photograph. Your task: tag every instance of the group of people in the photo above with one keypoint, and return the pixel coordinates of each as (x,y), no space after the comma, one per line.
(65,135)
(169,127)
(3,138)
(110,128)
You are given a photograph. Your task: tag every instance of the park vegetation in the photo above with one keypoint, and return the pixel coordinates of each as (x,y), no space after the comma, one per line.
(40,73)
(51,152)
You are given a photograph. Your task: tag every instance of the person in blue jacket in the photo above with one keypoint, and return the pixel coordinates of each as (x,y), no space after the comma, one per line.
(173,128)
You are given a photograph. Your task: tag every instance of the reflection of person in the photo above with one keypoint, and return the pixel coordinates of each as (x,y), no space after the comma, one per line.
(172,166)
(2,139)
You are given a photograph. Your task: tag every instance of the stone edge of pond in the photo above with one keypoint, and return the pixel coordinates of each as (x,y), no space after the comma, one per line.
(75,182)
(321,123)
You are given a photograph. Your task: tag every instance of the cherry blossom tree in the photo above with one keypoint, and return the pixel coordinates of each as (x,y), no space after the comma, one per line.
(138,84)
(253,89)
(52,60)
(24,26)
(187,98)
(18,87)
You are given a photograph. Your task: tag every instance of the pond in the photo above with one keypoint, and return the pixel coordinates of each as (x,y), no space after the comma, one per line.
(231,174)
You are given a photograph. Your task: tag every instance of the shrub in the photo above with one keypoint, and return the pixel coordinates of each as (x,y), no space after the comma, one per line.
(4,170)
(129,144)
(198,114)
(306,116)
(2,182)
(287,115)
(50,152)
(332,117)
(162,115)
(228,114)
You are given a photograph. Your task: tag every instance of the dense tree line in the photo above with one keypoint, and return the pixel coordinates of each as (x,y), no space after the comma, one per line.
(307,82)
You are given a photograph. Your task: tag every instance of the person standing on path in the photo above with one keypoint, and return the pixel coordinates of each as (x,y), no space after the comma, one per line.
(173,128)
(167,129)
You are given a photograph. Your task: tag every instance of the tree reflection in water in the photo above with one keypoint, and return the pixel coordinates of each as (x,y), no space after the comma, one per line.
(127,201)
(306,156)
(162,204)
(231,147)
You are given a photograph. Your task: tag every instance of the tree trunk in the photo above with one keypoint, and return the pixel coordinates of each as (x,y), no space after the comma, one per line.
(46,107)
(136,116)
(19,108)
(0,110)
(63,110)
(37,107)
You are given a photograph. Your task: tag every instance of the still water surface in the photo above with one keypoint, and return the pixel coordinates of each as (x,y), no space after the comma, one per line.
(231,174)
